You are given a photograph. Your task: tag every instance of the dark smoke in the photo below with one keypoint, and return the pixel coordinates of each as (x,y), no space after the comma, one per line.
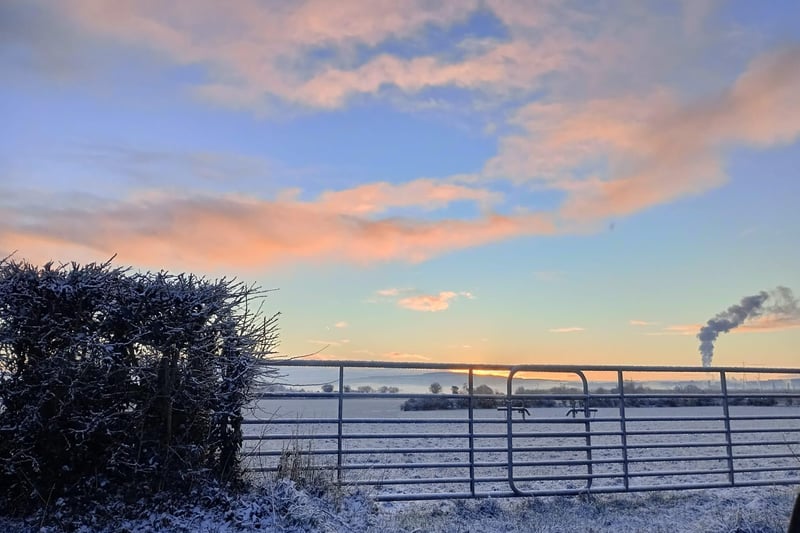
(780,301)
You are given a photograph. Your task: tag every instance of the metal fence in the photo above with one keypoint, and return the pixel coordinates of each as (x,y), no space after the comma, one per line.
(532,430)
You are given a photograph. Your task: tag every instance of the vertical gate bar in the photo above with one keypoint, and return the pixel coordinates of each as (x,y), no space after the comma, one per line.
(339,429)
(587,425)
(471,437)
(723,383)
(623,427)
(510,431)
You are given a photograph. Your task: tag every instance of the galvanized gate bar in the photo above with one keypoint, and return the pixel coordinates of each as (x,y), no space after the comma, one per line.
(472,452)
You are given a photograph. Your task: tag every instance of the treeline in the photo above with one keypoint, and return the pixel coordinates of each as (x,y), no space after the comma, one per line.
(636,396)
(459,399)
(328,388)
(571,397)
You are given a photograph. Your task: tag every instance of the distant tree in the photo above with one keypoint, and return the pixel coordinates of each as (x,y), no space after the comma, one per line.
(435,387)
(394,390)
(429,403)
(348,388)
(485,403)
(327,388)
(484,389)
(454,389)
(365,389)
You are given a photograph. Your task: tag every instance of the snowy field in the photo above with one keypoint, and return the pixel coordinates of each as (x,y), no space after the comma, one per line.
(402,452)
(407,441)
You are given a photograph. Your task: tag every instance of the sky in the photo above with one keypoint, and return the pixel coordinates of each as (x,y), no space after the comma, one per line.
(496,181)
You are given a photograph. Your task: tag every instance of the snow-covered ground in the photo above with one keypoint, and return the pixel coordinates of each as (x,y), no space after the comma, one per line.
(280,507)
(409,439)
(548,447)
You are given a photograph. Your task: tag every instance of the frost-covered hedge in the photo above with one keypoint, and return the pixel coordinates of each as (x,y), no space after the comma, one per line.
(124,382)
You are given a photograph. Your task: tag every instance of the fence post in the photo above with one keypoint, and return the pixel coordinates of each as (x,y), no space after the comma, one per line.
(339,429)
(510,431)
(587,427)
(623,427)
(723,383)
(471,436)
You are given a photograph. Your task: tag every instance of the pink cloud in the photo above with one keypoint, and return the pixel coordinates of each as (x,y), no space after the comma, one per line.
(234,231)
(341,324)
(501,69)
(254,52)
(641,323)
(424,302)
(768,323)
(404,356)
(427,193)
(677,329)
(762,324)
(572,329)
(388,292)
(428,302)
(656,148)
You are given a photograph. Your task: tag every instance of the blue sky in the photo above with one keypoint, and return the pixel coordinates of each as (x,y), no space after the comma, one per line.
(515,182)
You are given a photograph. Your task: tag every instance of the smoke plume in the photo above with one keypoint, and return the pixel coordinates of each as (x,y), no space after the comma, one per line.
(779,302)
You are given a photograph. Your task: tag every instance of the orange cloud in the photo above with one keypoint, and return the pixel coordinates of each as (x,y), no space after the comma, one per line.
(566,330)
(641,323)
(425,302)
(253,52)
(234,231)
(762,324)
(388,292)
(427,193)
(403,356)
(769,323)
(677,329)
(501,69)
(655,149)
(428,302)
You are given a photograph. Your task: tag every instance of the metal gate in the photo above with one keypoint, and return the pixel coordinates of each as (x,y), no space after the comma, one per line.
(577,430)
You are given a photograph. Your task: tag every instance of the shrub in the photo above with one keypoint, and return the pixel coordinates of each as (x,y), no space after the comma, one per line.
(110,378)
(434,403)
(297,463)
(484,402)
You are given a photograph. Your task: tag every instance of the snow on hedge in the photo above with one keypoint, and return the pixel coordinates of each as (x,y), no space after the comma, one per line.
(113,380)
